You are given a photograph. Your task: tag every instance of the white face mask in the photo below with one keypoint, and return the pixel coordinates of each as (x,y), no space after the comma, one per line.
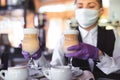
(86,17)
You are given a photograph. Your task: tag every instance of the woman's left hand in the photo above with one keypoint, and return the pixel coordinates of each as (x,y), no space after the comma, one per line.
(35,56)
(83,51)
(27,55)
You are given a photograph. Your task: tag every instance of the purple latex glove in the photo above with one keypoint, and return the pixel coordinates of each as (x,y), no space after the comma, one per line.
(35,56)
(83,51)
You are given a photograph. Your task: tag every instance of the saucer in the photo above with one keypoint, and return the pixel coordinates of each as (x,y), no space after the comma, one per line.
(35,73)
(76,72)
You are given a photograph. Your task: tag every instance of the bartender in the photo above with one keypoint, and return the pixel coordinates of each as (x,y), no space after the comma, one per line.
(97,46)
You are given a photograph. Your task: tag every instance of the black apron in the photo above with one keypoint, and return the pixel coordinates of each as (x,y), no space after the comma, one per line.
(105,42)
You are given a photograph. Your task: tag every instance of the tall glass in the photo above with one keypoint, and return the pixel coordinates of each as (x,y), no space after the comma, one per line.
(71,38)
(30,42)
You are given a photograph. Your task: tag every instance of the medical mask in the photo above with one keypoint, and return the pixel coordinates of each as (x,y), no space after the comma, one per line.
(86,17)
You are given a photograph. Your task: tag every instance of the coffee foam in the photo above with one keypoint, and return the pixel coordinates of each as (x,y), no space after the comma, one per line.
(70,31)
(31,31)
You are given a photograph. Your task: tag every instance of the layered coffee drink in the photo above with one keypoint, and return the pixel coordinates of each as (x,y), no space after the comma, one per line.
(71,39)
(30,42)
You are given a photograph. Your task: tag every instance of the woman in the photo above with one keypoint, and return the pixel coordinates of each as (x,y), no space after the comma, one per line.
(96,43)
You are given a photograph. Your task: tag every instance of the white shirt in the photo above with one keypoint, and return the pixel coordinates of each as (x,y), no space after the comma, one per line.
(89,37)
(107,64)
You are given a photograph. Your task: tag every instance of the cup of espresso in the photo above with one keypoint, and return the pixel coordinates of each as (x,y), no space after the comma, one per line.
(15,73)
(30,42)
(58,73)
(70,39)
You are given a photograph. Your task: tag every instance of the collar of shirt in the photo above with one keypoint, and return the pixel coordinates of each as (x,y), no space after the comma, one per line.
(89,36)
(84,32)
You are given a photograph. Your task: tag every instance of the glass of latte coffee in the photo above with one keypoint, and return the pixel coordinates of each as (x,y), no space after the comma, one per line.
(70,39)
(30,42)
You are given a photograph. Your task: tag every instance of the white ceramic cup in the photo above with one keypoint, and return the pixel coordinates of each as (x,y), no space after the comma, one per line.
(58,73)
(15,73)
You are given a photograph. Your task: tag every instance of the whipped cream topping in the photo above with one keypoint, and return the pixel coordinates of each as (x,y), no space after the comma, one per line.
(31,31)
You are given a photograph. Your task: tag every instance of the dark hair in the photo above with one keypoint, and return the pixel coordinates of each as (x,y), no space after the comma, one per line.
(99,1)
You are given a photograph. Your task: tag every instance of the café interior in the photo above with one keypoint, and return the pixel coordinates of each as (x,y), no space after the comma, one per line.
(50,17)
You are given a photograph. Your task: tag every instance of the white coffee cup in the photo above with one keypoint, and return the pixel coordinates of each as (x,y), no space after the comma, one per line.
(58,73)
(15,73)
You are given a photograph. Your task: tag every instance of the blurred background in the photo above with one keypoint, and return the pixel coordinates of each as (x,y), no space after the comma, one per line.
(51,17)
